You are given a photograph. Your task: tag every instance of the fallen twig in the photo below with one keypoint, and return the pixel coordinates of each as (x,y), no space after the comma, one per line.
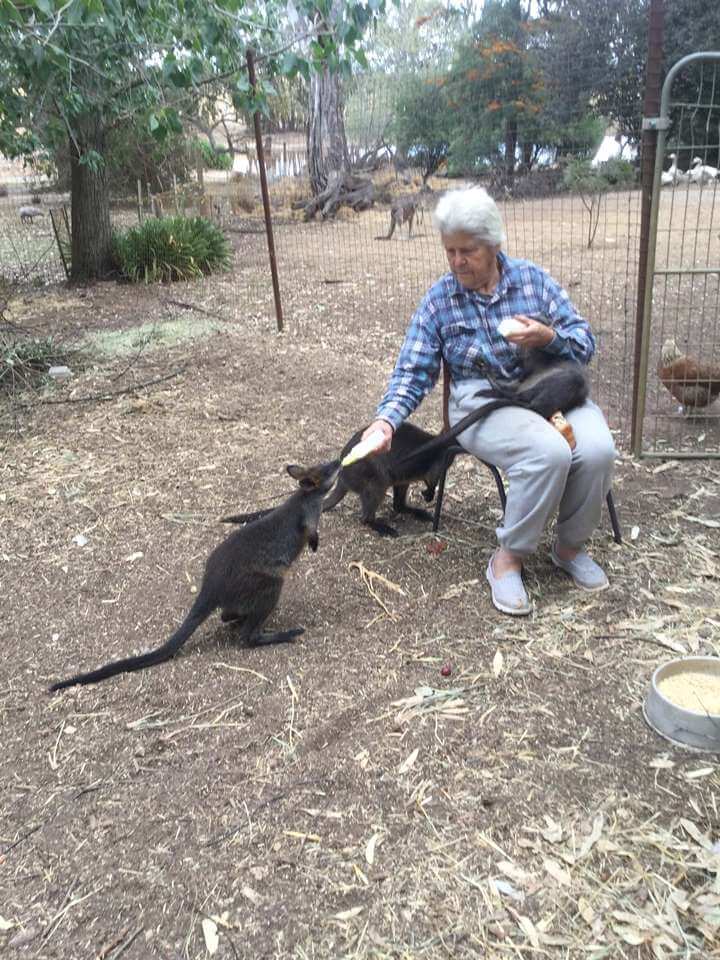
(100,397)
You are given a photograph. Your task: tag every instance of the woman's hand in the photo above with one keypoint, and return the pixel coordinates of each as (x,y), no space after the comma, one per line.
(380,426)
(535,334)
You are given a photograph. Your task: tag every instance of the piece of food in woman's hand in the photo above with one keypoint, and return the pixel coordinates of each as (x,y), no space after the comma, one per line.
(509,326)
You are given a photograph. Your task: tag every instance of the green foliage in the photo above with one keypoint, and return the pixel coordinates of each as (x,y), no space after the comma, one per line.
(618,173)
(212,159)
(496,93)
(74,70)
(420,128)
(176,248)
(591,182)
(23,360)
(581,177)
(580,138)
(132,153)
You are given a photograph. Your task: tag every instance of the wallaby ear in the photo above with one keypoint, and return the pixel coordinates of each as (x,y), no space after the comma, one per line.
(305,478)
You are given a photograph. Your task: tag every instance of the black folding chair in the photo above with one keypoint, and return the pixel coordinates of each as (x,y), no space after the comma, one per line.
(455,449)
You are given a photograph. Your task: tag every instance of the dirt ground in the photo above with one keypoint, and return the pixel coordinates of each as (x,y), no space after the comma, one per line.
(338,796)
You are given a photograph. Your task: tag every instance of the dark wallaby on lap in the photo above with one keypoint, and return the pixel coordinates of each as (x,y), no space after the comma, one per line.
(545,390)
(373,476)
(244,574)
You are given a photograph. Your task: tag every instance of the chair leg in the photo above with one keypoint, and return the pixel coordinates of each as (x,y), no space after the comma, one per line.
(440,492)
(617,535)
(498,483)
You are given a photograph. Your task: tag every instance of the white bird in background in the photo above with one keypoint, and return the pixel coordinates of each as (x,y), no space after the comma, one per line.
(700,173)
(673,176)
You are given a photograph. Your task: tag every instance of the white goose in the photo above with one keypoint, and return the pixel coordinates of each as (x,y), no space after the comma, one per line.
(673,176)
(701,173)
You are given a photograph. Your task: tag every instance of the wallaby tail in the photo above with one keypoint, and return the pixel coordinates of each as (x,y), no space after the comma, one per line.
(200,611)
(247,517)
(446,438)
(335,496)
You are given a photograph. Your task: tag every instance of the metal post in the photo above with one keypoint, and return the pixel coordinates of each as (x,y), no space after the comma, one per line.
(651,108)
(265,196)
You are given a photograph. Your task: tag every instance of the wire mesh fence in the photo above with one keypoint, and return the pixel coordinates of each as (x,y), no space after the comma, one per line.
(29,253)
(682,416)
(545,112)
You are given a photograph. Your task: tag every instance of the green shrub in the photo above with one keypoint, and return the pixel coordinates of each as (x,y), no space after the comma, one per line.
(23,360)
(211,158)
(176,248)
(617,172)
(581,177)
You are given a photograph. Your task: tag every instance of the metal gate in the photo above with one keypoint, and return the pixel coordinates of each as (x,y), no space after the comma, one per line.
(678,401)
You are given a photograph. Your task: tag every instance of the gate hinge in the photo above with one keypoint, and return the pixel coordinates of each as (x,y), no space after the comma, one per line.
(655,123)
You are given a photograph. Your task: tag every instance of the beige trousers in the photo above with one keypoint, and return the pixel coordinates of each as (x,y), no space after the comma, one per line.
(545,476)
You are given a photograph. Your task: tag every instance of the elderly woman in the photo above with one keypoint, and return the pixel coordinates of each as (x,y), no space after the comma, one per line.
(457,320)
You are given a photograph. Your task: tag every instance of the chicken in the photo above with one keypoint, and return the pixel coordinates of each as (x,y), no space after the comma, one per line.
(693,384)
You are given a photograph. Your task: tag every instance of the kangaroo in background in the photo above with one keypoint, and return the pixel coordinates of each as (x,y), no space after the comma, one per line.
(244,574)
(403,210)
(28,214)
(372,477)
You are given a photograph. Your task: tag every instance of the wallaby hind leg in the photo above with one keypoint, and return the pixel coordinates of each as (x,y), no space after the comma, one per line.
(429,491)
(282,636)
(401,506)
(263,602)
(370,500)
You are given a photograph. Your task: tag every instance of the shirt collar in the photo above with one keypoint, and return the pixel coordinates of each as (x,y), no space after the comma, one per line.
(508,279)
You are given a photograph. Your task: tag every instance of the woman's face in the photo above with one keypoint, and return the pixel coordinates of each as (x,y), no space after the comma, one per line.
(473,263)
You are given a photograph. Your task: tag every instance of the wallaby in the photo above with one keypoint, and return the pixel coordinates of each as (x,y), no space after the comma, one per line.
(372,477)
(403,211)
(547,388)
(244,574)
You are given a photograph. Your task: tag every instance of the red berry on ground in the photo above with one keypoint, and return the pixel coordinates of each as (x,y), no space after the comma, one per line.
(446,669)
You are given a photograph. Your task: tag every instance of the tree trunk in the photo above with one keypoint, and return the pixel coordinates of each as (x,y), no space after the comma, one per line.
(90,205)
(326,142)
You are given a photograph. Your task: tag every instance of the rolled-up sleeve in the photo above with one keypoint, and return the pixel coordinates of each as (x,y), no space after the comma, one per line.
(573,337)
(417,368)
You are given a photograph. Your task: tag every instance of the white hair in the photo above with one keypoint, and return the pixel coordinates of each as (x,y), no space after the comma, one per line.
(470,211)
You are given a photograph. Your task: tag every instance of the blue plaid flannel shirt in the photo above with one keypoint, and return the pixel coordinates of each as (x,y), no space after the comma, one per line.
(460,325)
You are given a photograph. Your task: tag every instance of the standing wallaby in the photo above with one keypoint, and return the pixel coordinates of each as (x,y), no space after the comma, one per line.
(403,211)
(244,574)
(372,477)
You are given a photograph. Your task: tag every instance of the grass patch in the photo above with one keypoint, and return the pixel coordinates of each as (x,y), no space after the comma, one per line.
(149,336)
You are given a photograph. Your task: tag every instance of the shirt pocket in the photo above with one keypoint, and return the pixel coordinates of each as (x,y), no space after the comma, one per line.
(462,348)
